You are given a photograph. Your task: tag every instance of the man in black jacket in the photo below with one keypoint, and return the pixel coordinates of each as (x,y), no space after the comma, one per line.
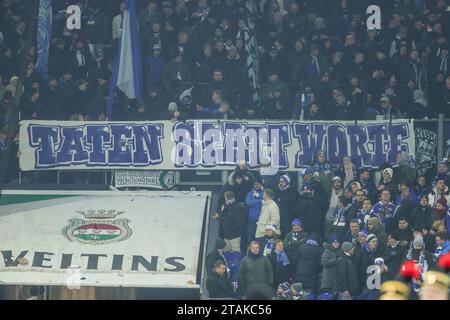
(393,254)
(214,256)
(218,284)
(286,197)
(347,275)
(232,219)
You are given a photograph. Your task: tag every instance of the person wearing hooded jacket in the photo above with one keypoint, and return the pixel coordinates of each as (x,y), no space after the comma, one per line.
(385,209)
(329,264)
(286,197)
(254,269)
(307,262)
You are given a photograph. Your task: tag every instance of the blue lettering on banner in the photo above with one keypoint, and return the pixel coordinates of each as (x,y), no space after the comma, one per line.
(210,144)
(110,145)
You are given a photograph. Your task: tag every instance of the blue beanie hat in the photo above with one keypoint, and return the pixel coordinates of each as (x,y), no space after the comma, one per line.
(334,238)
(285,286)
(286,179)
(296,221)
(363,233)
(308,172)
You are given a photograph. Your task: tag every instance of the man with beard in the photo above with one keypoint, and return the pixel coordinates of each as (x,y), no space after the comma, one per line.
(286,198)
(421,257)
(366,183)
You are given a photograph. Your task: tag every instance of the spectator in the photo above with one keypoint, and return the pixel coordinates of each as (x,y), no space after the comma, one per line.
(270,215)
(254,202)
(376,228)
(218,284)
(421,215)
(387,182)
(329,262)
(286,197)
(336,193)
(215,255)
(322,171)
(255,269)
(423,258)
(176,72)
(393,254)
(295,238)
(347,273)
(405,232)
(340,218)
(155,66)
(384,210)
(267,243)
(307,261)
(442,244)
(232,223)
(280,264)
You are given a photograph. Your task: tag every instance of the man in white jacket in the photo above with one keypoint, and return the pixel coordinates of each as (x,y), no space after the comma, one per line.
(270,215)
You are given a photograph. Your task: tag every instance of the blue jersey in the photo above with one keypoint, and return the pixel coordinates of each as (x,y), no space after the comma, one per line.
(363,218)
(385,212)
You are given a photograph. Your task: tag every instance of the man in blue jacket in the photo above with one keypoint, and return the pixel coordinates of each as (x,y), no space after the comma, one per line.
(254,203)
(384,210)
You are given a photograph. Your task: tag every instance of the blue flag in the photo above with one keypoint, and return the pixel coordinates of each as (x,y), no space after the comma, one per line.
(44,34)
(127,72)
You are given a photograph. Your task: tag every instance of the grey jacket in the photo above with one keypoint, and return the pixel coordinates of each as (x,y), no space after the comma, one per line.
(253,271)
(329,264)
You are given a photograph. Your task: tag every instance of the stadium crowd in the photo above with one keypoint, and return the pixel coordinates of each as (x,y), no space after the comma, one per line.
(329,239)
(315,56)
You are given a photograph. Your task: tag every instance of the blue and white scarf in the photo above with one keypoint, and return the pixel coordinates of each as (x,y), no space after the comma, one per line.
(282,258)
(409,256)
(269,247)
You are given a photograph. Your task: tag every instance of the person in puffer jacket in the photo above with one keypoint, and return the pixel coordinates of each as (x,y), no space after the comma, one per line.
(254,269)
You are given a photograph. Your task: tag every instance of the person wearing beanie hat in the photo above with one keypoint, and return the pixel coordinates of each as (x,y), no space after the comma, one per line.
(308,266)
(329,262)
(340,218)
(375,227)
(295,238)
(440,209)
(254,201)
(420,256)
(298,293)
(387,182)
(286,198)
(347,273)
(284,291)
